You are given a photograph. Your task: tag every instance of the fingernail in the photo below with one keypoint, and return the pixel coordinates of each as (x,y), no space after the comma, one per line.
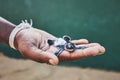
(102,51)
(52,62)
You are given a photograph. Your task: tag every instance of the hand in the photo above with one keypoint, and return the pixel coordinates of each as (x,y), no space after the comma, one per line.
(32,43)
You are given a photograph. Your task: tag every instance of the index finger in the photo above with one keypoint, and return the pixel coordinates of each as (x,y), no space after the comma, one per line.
(80,41)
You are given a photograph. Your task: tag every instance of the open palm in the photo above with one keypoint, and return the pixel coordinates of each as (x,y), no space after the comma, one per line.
(32,43)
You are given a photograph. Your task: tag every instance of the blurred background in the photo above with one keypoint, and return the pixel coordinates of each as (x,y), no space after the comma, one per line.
(95,20)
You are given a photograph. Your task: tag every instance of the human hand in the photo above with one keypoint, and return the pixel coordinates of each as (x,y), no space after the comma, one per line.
(32,43)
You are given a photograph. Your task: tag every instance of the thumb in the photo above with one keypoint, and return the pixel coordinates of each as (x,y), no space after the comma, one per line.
(40,56)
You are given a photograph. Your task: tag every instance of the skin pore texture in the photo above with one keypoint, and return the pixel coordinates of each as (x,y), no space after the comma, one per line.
(32,43)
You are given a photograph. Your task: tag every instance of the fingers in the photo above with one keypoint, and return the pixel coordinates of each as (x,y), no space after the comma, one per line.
(40,56)
(81,41)
(92,50)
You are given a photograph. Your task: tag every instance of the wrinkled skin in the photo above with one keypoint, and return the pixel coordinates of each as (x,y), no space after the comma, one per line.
(32,43)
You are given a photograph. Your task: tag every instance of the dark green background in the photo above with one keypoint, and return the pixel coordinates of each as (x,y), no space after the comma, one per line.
(96,20)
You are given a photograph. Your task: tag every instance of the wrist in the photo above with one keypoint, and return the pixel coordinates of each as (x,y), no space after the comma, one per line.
(5,29)
(19,37)
(17,29)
